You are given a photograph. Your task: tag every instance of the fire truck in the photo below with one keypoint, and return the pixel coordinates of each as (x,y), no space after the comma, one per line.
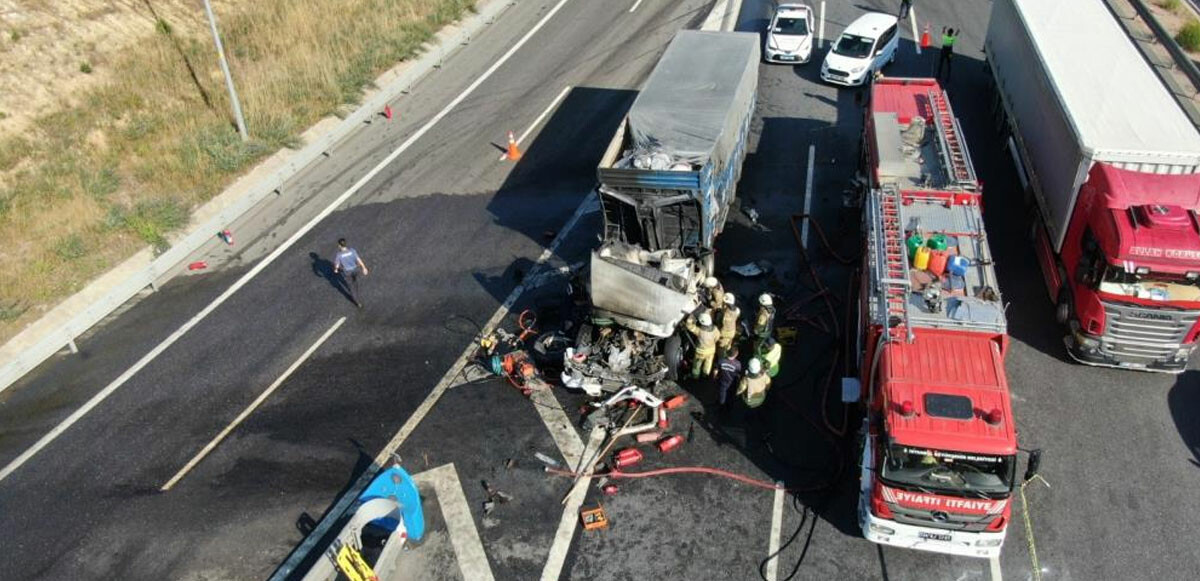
(938,438)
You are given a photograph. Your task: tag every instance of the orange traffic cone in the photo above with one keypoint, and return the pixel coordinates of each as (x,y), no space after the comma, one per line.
(513,153)
(925,41)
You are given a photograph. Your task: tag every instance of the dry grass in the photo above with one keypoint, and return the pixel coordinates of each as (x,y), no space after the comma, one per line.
(92,183)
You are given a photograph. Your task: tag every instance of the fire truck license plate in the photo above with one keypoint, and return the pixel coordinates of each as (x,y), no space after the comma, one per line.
(934,536)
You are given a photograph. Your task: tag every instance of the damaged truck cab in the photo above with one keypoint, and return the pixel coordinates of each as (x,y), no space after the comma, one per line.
(666,183)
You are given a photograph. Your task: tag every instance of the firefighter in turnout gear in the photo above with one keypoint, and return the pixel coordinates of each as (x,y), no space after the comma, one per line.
(764,323)
(729,325)
(715,299)
(707,335)
(754,385)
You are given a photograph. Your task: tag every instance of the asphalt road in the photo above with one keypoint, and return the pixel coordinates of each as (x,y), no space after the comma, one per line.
(449,231)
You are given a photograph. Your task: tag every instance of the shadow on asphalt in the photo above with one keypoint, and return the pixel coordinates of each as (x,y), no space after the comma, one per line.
(305,521)
(556,169)
(1184,400)
(324,269)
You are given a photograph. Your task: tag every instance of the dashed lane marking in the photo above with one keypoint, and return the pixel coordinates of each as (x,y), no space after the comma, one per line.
(275,254)
(538,121)
(773,543)
(249,409)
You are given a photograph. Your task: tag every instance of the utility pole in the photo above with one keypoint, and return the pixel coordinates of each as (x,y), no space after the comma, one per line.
(237,106)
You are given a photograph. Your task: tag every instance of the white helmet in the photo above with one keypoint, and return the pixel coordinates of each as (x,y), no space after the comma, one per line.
(755,365)
(705,320)
(765,300)
(729,299)
(710,282)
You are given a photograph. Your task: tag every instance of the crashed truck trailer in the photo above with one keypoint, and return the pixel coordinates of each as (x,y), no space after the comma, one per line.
(666,183)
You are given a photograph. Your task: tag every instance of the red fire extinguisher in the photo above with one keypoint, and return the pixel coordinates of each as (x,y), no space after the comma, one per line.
(627,457)
(670,443)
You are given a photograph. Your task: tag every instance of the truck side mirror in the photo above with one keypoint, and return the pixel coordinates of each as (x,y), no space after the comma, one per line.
(1034,463)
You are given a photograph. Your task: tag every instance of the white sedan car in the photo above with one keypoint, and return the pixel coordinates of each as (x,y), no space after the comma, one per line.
(789,35)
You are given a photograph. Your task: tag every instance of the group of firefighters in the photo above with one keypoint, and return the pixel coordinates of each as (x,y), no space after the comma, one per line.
(715,328)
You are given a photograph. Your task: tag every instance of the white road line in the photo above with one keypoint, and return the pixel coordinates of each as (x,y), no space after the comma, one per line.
(536,122)
(635,5)
(250,409)
(994,565)
(570,516)
(285,570)
(821,25)
(258,268)
(449,378)
(912,15)
(559,425)
(716,18)
(464,537)
(773,544)
(808,186)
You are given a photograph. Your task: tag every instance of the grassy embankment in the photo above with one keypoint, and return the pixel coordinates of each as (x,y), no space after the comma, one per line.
(94,182)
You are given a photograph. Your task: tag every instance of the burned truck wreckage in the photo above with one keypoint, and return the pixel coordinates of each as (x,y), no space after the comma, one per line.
(666,183)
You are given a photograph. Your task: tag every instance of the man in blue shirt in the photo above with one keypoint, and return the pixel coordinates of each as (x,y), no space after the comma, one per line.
(348,264)
(728,371)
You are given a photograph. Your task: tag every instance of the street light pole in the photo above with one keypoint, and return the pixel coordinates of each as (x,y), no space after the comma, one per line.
(233,97)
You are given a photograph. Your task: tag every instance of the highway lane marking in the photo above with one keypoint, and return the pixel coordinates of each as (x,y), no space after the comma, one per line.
(559,425)
(716,17)
(994,566)
(808,185)
(536,122)
(452,374)
(270,258)
(250,408)
(570,516)
(635,5)
(821,25)
(912,19)
(464,537)
(772,572)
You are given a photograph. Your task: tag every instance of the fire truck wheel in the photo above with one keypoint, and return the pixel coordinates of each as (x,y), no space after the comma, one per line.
(673,356)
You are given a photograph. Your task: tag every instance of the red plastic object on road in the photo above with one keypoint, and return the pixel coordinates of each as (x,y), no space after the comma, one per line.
(675,401)
(627,457)
(198,265)
(668,444)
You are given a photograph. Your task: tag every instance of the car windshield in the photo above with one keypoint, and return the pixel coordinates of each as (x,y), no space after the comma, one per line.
(1151,286)
(957,473)
(790,26)
(853,46)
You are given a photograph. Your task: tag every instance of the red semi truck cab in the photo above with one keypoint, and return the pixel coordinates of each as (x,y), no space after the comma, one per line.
(939,446)
(1127,279)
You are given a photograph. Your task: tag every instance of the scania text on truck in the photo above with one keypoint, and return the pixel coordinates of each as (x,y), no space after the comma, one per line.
(667,181)
(938,438)
(1109,162)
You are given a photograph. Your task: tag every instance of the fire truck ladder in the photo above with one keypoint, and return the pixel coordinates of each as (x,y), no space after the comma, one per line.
(891,261)
(953,149)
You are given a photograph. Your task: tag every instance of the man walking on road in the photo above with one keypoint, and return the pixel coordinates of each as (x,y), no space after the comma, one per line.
(905,6)
(348,264)
(949,36)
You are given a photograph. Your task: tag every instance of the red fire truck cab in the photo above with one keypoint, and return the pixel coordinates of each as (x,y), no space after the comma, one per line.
(938,456)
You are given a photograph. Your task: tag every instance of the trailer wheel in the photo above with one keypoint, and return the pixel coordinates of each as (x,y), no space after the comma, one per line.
(673,356)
